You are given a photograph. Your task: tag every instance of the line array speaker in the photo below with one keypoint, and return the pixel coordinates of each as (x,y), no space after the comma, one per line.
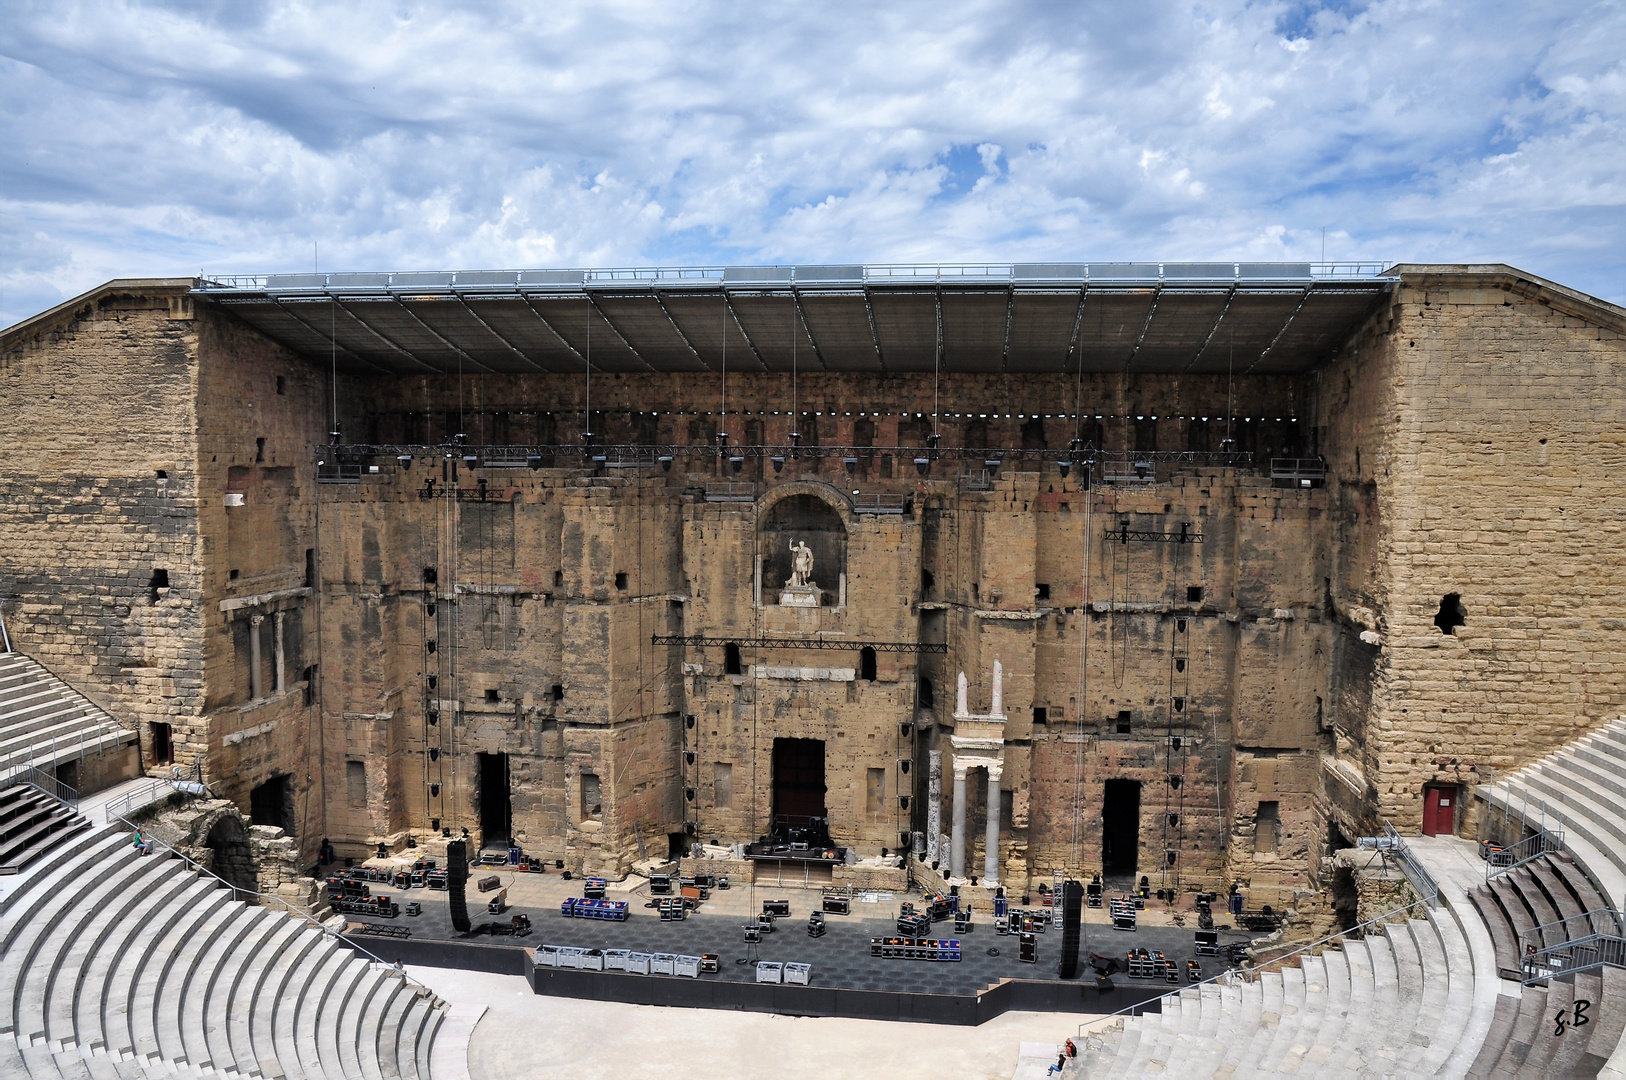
(1072,914)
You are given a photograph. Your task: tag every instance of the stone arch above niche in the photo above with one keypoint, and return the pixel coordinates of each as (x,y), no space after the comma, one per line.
(813,514)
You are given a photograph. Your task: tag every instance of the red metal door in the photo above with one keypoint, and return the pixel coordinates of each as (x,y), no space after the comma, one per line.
(1431,811)
(1445,813)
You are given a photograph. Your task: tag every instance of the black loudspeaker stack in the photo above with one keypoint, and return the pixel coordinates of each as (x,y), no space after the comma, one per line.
(1072,914)
(457,876)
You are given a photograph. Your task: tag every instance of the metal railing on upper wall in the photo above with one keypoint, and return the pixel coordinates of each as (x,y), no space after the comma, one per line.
(855,274)
(1391,845)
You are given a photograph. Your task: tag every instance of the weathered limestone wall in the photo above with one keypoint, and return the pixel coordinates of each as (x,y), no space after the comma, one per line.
(1497,404)
(99,491)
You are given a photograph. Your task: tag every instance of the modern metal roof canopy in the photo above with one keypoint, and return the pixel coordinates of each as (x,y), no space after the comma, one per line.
(1020,318)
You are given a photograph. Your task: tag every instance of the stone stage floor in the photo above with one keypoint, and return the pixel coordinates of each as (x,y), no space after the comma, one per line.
(840,958)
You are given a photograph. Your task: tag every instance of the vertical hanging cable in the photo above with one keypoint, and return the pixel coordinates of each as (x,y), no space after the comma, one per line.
(587,359)
(722,416)
(333,340)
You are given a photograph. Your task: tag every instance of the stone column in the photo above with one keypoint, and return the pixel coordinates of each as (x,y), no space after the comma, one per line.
(934,805)
(957,838)
(255,689)
(990,858)
(998,706)
(280,682)
(960,697)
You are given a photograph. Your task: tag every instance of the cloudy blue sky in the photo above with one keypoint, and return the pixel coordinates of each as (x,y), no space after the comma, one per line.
(173,138)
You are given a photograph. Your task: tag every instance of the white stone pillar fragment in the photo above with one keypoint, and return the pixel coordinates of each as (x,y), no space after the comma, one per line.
(998,707)
(280,676)
(957,838)
(934,805)
(990,858)
(255,690)
(959,700)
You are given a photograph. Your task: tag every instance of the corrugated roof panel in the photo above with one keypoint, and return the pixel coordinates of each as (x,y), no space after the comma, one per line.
(840,327)
(907,324)
(974,331)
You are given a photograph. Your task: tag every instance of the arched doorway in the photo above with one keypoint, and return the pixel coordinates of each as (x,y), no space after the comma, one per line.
(230,856)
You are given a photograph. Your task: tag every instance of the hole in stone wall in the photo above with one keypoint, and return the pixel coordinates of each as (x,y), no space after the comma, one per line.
(159,580)
(230,856)
(310,685)
(621,580)
(1451,614)
(558,692)
(1041,591)
(259,450)
(731,659)
(430,575)
(282,384)
(233,574)
(310,568)
(592,806)
(491,695)
(163,474)
(272,803)
(927,580)
(558,578)
(866,664)
(1123,722)
(1194,594)
(1041,715)
(925,696)
(1267,827)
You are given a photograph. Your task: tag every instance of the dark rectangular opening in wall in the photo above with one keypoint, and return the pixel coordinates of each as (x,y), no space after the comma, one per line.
(1123,722)
(621,580)
(866,664)
(1194,594)
(492,696)
(272,803)
(1041,591)
(310,568)
(1041,715)
(1120,827)
(496,805)
(731,659)
(159,580)
(282,384)
(163,748)
(1267,827)
(558,692)
(259,450)
(798,782)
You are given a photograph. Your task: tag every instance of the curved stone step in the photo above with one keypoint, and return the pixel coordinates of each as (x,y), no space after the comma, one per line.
(191,1007)
(270,1002)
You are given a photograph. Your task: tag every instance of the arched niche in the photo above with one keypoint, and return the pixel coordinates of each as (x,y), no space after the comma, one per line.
(808,514)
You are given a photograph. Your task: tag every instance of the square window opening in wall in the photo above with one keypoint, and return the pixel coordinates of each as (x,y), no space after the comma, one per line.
(558,578)
(163,474)
(259,450)
(558,692)
(492,697)
(1194,594)
(1041,715)
(1123,722)
(1267,828)
(1041,591)
(621,580)
(282,384)
(233,573)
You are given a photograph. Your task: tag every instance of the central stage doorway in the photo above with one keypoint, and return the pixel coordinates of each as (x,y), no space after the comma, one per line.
(1120,828)
(798,783)
(496,807)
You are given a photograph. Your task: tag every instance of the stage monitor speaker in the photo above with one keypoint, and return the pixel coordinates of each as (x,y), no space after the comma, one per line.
(457,876)
(1072,914)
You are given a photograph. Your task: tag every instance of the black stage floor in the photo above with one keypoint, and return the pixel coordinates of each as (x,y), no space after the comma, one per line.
(840,959)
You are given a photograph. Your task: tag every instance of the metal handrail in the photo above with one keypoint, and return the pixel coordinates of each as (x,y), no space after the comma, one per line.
(1246,973)
(238,893)
(1567,958)
(1606,922)
(1531,848)
(1420,878)
(41,780)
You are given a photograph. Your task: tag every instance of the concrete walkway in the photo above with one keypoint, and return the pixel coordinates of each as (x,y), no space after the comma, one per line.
(524,1036)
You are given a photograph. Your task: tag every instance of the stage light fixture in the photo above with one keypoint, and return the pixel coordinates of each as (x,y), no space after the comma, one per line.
(404,460)
(851,463)
(666,462)
(922,464)
(533,461)
(1064,467)
(737,463)
(778,464)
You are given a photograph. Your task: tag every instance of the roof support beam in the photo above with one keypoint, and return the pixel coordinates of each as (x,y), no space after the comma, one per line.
(1010,313)
(874,331)
(543,319)
(492,330)
(655,293)
(1157,294)
(735,316)
(292,314)
(616,330)
(1212,330)
(1078,324)
(801,317)
(380,336)
(1288,322)
(442,338)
